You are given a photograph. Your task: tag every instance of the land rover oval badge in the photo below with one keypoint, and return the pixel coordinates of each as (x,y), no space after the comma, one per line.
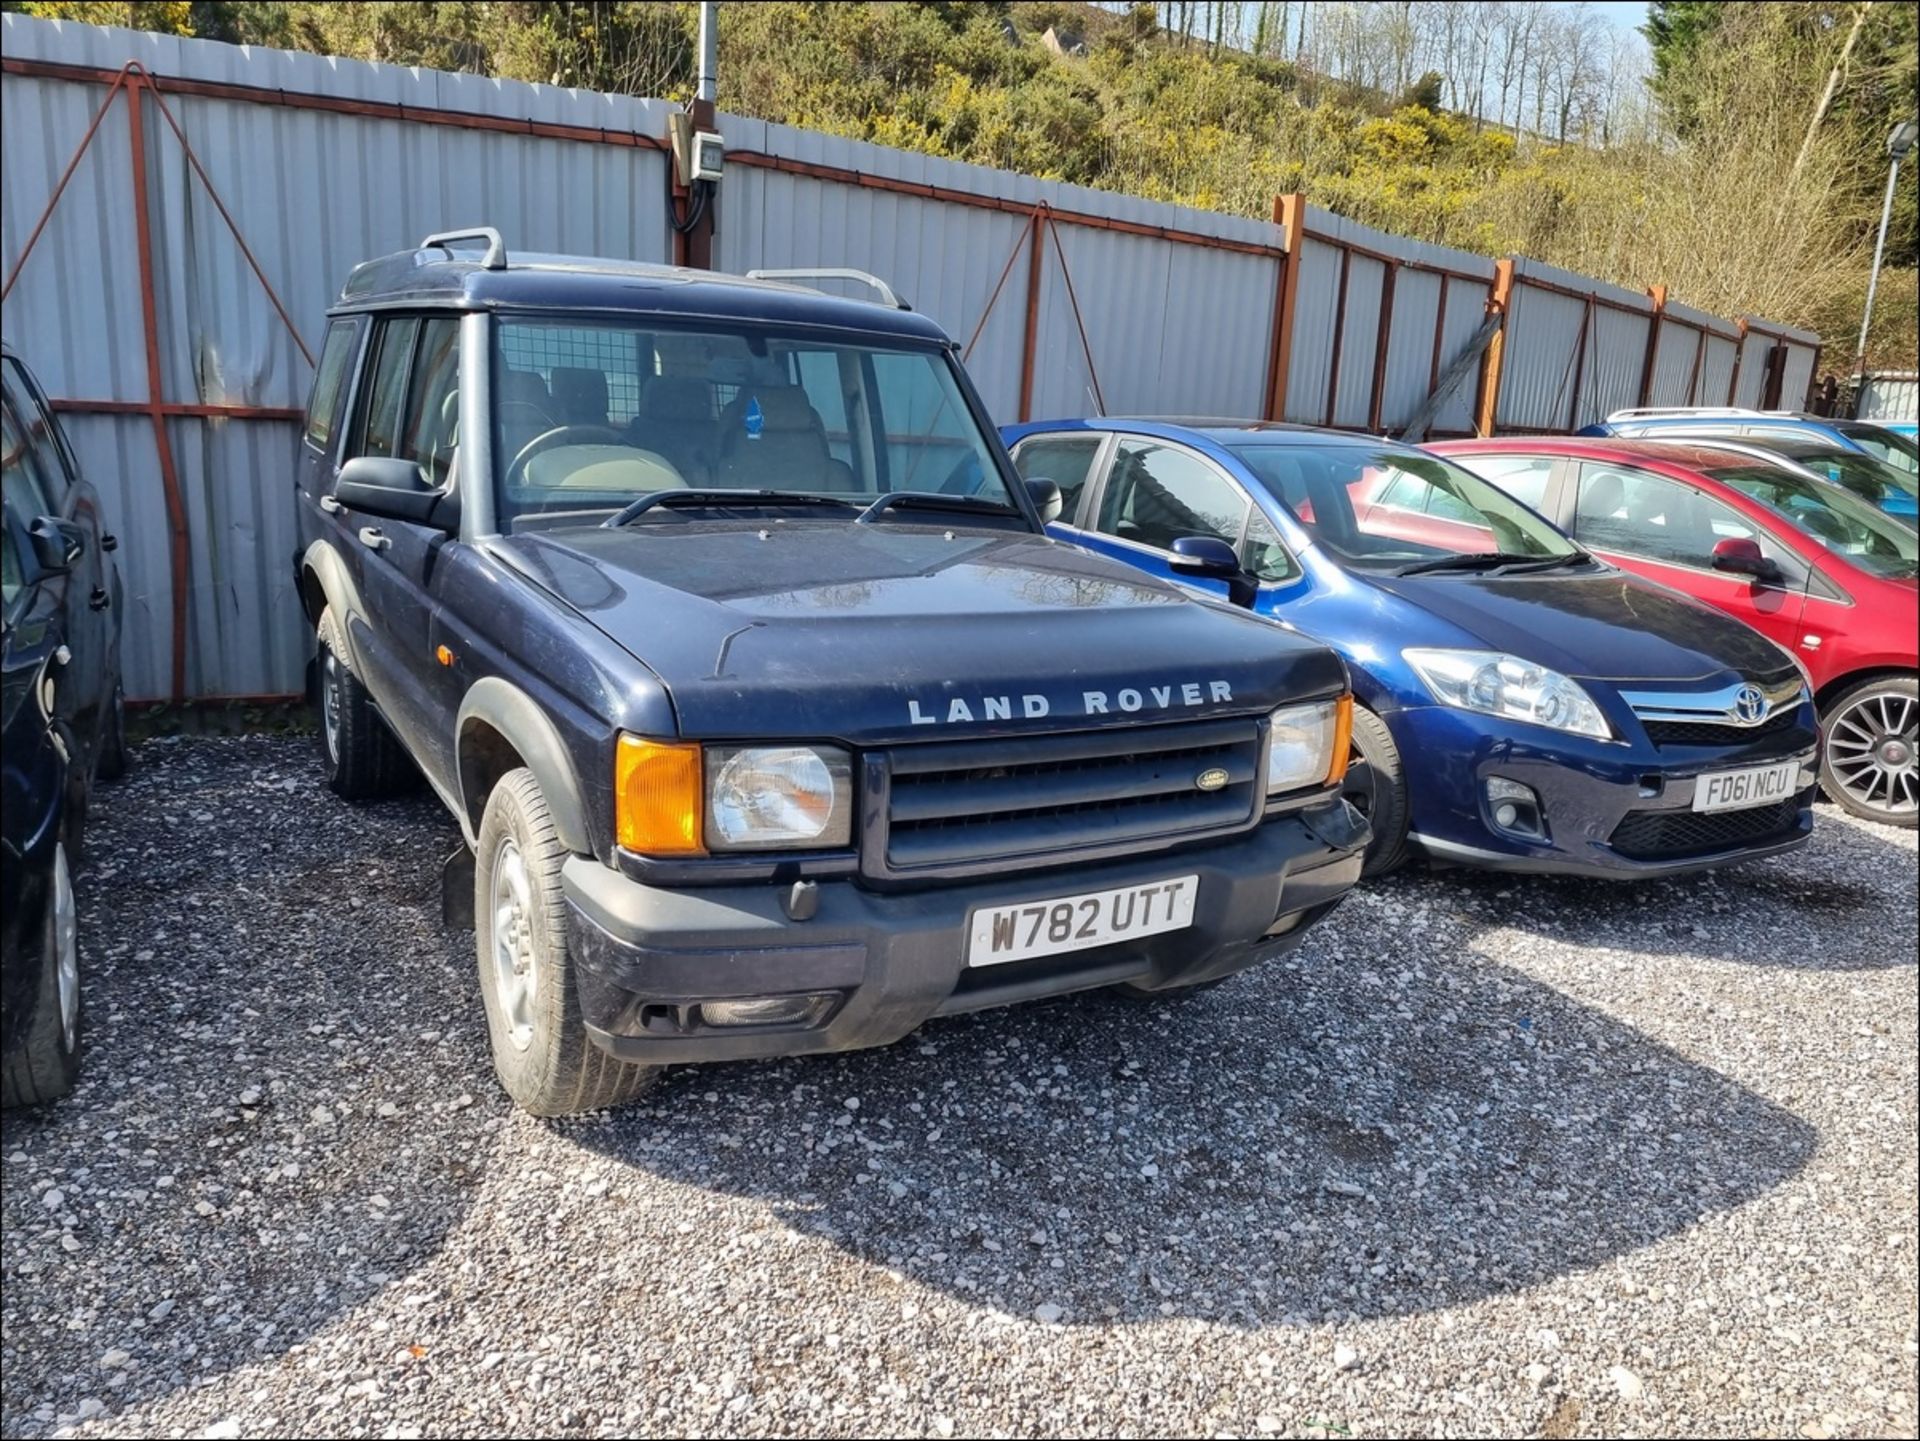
(1211,779)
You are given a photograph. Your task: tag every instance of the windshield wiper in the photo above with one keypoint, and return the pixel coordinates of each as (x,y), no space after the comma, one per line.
(1552,562)
(719,500)
(1478,560)
(931,500)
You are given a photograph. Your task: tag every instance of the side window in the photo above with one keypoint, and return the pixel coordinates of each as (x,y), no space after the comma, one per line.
(1265,555)
(433,400)
(1636,513)
(12,573)
(22,486)
(1156,494)
(1524,477)
(43,437)
(1062,459)
(329,381)
(380,414)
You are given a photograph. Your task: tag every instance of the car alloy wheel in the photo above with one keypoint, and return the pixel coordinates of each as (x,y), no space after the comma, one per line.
(1871,750)
(515,973)
(330,701)
(65,938)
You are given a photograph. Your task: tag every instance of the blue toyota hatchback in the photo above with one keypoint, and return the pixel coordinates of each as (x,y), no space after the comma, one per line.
(1520,705)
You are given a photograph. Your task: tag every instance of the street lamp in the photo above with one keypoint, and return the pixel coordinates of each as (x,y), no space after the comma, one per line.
(1899,141)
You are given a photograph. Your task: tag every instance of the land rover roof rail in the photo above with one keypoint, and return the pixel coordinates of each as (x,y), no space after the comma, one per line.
(881,288)
(1705,412)
(496,256)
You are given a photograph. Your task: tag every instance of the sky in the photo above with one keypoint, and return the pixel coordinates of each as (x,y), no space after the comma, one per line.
(1624,14)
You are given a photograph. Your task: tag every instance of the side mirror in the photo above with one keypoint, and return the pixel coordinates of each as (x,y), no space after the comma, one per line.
(1046,499)
(1741,555)
(57,544)
(386,486)
(1211,558)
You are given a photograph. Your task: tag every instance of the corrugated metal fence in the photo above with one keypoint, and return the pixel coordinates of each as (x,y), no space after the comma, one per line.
(174,296)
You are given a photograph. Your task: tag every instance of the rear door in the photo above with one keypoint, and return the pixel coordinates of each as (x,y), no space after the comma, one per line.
(1665,529)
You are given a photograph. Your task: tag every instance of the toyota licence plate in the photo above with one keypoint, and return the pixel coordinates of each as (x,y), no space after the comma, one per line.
(1079,923)
(1738,790)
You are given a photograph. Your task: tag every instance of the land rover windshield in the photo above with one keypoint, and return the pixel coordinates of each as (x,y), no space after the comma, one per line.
(591,415)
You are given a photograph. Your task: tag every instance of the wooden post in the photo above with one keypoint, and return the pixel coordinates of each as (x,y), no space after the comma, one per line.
(1497,302)
(1032,341)
(1290,213)
(1659,296)
(1381,341)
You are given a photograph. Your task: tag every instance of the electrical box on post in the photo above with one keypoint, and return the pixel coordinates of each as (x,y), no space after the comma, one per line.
(697,154)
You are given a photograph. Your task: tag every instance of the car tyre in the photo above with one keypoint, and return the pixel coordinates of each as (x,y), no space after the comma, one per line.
(1870,751)
(528,979)
(42,1067)
(1376,786)
(362,758)
(114,757)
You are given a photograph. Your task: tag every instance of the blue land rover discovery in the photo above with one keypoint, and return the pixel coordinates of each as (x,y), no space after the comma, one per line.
(774,722)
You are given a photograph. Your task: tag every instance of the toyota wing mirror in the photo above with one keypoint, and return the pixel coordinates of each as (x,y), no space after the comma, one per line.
(1207,557)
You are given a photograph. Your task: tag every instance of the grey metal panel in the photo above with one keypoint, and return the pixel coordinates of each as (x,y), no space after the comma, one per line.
(1315,298)
(1673,364)
(1716,371)
(1353,393)
(1410,345)
(1797,376)
(1750,379)
(1537,372)
(1890,396)
(1616,354)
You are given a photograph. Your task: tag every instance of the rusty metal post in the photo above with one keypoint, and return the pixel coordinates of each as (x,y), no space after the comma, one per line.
(1031,342)
(1487,407)
(1658,293)
(1383,337)
(137,84)
(1289,212)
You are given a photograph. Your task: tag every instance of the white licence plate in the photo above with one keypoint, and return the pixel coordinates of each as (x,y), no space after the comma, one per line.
(1078,923)
(1737,790)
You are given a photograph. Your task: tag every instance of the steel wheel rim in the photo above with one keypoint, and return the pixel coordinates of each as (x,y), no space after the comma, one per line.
(330,701)
(66,949)
(1871,750)
(515,978)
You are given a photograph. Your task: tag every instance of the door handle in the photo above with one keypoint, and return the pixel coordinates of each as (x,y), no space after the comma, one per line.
(372,538)
(61,656)
(99,600)
(109,542)
(329,505)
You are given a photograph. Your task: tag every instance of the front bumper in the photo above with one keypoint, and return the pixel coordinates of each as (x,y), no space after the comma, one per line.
(648,956)
(1587,788)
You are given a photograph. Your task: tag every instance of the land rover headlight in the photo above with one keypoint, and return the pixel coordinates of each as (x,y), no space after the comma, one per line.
(1307,744)
(763,797)
(1494,683)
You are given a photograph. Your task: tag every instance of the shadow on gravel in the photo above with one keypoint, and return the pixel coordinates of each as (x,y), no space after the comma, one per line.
(1327,1136)
(1793,911)
(264,969)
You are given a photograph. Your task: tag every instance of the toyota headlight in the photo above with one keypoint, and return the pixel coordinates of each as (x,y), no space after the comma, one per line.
(1493,683)
(1307,744)
(762,797)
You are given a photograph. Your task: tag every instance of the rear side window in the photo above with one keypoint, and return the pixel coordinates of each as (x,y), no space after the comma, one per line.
(380,421)
(330,381)
(1524,477)
(1062,459)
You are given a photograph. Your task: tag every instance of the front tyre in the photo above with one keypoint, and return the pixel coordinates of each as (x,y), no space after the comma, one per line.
(541,1051)
(1376,786)
(43,1066)
(1871,751)
(114,757)
(363,760)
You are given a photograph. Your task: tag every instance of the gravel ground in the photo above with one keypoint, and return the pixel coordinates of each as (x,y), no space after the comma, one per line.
(1485,1155)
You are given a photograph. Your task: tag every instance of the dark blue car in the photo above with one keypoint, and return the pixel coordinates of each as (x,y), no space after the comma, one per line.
(1519,704)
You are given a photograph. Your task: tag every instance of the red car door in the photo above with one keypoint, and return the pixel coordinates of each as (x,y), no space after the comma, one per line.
(1665,530)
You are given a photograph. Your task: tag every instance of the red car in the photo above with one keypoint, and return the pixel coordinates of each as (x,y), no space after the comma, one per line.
(1809,565)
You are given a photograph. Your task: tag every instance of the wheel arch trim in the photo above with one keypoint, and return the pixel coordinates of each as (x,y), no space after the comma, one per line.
(519,720)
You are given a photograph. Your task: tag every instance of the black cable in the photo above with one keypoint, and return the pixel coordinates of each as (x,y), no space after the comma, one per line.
(696,207)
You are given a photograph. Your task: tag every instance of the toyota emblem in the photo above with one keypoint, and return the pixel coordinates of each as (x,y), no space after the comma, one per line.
(1750,705)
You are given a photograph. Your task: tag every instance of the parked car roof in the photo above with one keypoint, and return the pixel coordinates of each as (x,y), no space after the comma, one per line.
(460,279)
(1219,428)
